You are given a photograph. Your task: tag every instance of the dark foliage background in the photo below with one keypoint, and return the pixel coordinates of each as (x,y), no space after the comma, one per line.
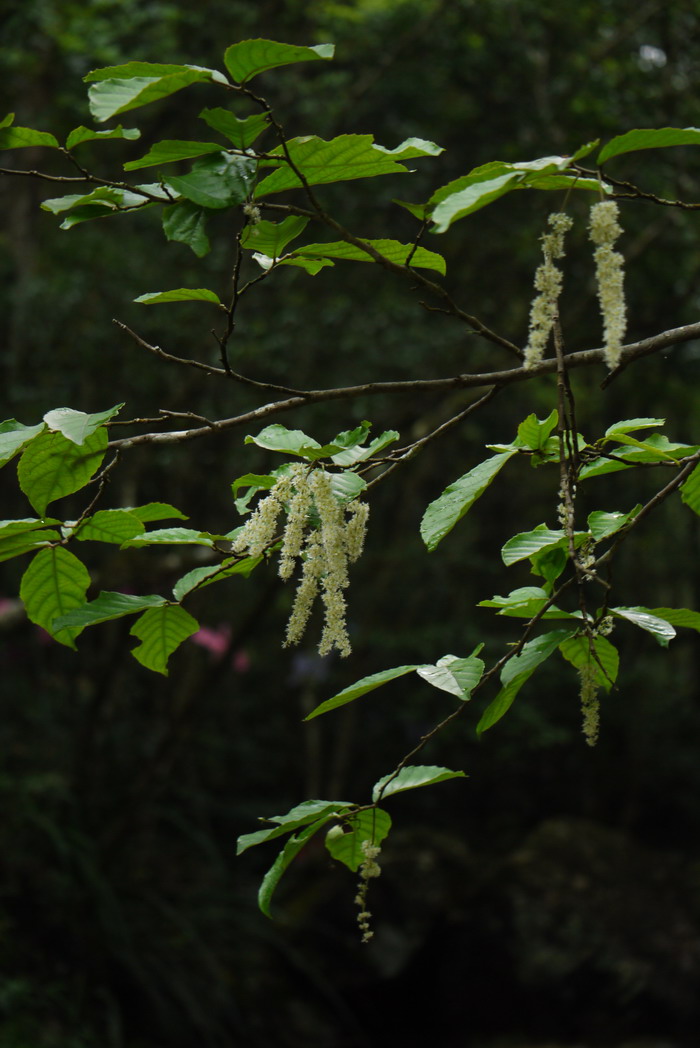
(553,897)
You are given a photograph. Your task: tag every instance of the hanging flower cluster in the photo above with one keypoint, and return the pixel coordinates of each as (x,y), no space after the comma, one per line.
(324,541)
(369,869)
(548,281)
(604,231)
(590,703)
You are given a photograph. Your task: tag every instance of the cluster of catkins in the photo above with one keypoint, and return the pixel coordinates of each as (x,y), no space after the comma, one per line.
(604,230)
(324,547)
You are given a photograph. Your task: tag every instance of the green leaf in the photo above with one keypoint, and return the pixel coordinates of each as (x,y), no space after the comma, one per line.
(22,536)
(347,486)
(289,441)
(76,426)
(286,856)
(53,584)
(198,578)
(346,845)
(181,294)
(161,630)
(338,160)
(247,58)
(530,543)
(690,490)
(8,120)
(631,425)
(170,150)
(549,565)
(271,238)
(171,537)
(361,687)
(21,137)
(155,511)
(86,134)
(106,607)
(53,466)
(517,671)
(184,222)
(410,778)
(13,437)
(524,603)
(300,815)
(454,675)
(602,525)
(649,138)
(109,525)
(102,203)
(605,664)
(420,258)
(242,133)
(661,629)
(216,182)
(458,498)
(533,432)
(350,455)
(682,617)
(117,89)
(473,198)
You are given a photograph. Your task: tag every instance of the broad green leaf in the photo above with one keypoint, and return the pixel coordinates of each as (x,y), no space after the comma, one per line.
(161,630)
(458,498)
(53,466)
(649,138)
(54,583)
(524,603)
(198,578)
(180,294)
(13,437)
(600,466)
(517,671)
(155,511)
(118,89)
(8,120)
(21,137)
(361,687)
(286,856)
(22,536)
(242,133)
(631,425)
(346,845)
(290,441)
(601,525)
(77,426)
(247,58)
(102,203)
(530,543)
(351,455)
(690,490)
(473,198)
(411,148)
(271,238)
(170,150)
(300,815)
(312,266)
(171,537)
(338,160)
(184,223)
(605,664)
(216,182)
(410,778)
(253,483)
(110,525)
(682,617)
(86,134)
(549,565)
(661,629)
(347,486)
(533,432)
(106,607)
(454,675)
(420,258)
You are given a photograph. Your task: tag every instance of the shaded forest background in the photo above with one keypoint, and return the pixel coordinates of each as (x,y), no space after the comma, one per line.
(554,896)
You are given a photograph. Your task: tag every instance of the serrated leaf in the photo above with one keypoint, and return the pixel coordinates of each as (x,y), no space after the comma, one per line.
(156,511)
(690,490)
(454,675)
(170,150)
(216,182)
(525,602)
(682,617)
(630,425)
(14,436)
(346,847)
(242,133)
(299,815)
(412,777)
(457,499)
(117,89)
(104,608)
(101,203)
(286,856)
(420,258)
(271,238)
(601,525)
(110,525)
(473,198)
(54,583)
(198,578)
(185,223)
(289,441)
(247,58)
(661,630)
(649,138)
(530,543)
(86,134)
(533,433)
(22,137)
(171,537)
(23,536)
(605,664)
(53,466)
(517,671)
(350,456)
(77,426)
(347,486)
(339,160)
(312,266)
(180,294)
(161,630)
(361,687)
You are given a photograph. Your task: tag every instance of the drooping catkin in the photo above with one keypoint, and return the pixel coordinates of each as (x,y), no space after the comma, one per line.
(604,231)
(548,281)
